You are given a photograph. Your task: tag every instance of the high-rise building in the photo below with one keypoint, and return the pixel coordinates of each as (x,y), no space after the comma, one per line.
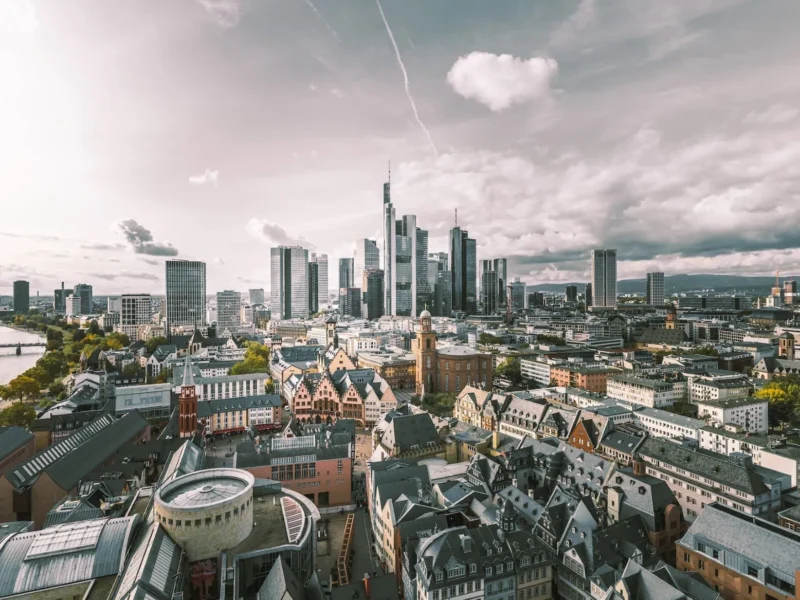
(60,299)
(73,305)
(442,258)
(229,310)
(790,291)
(84,290)
(186,293)
(289,282)
(424,289)
(437,262)
(323,292)
(587,295)
(604,278)
(22,296)
(313,288)
(346,268)
(489,287)
(571,293)
(389,255)
(367,256)
(535,299)
(350,302)
(501,268)
(399,259)
(256,296)
(517,294)
(114,304)
(443,294)
(372,286)
(134,311)
(464,266)
(655,289)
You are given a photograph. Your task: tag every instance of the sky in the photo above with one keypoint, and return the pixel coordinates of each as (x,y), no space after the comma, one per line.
(135,131)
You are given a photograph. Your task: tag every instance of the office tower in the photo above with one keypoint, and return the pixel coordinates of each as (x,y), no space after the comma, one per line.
(535,299)
(587,296)
(60,299)
(22,297)
(313,288)
(134,311)
(443,294)
(389,255)
(367,256)
(437,262)
(350,302)
(186,293)
(790,291)
(489,287)
(256,296)
(442,258)
(323,293)
(604,278)
(373,288)
(346,273)
(424,289)
(517,294)
(114,304)
(73,305)
(463,263)
(84,291)
(229,310)
(289,279)
(501,268)
(404,269)
(571,293)
(655,289)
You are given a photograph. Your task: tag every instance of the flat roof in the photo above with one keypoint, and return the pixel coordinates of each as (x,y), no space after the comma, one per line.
(269,530)
(732,402)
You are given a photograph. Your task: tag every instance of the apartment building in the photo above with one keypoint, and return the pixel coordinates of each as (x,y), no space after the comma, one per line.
(585,377)
(536,370)
(227,386)
(237,415)
(699,477)
(522,415)
(741,556)
(653,393)
(750,413)
(661,423)
(711,387)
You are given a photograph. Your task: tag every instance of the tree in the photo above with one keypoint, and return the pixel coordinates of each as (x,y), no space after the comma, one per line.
(116,341)
(783,395)
(488,339)
(132,369)
(78,335)
(94,328)
(21,387)
(19,414)
(550,340)
(155,342)
(256,360)
(510,369)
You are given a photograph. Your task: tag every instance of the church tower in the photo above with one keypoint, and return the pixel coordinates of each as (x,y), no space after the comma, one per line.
(331,338)
(426,355)
(187,402)
(786,346)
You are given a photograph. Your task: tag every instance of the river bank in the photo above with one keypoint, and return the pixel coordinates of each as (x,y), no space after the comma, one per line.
(12,365)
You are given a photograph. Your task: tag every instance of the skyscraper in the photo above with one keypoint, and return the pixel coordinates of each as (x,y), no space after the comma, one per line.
(60,299)
(424,289)
(229,310)
(350,302)
(323,293)
(517,294)
(463,261)
(571,293)
(313,288)
(22,297)
(489,287)
(373,293)
(256,296)
(346,279)
(134,311)
(389,256)
(84,291)
(604,278)
(655,289)
(186,293)
(443,294)
(289,282)
(367,256)
(501,268)
(404,294)
(587,296)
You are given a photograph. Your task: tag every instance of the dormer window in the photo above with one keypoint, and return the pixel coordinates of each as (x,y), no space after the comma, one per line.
(488,571)
(473,568)
(499,569)
(439,575)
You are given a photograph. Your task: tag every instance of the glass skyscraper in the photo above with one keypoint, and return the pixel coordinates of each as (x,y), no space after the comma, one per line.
(604,278)
(84,292)
(229,310)
(346,278)
(313,287)
(367,256)
(186,293)
(464,266)
(323,293)
(289,282)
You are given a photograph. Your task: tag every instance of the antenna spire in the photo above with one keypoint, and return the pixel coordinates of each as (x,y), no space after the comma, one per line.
(390,171)
(456,217)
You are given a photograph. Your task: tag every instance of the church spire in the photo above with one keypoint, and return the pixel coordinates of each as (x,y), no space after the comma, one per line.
(188,375)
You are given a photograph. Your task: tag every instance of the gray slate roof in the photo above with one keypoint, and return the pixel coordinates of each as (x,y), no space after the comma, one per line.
(12,438)
(410,430)
(52,563)
(152,569)
(207,408)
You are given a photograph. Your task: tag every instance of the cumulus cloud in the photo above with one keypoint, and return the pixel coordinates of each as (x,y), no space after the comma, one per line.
(207,176)
(124,275)
(141,240)
(274,235)
(225,13)
(775,114)
(501,80)
(570,29)
(18,17)
(104,247)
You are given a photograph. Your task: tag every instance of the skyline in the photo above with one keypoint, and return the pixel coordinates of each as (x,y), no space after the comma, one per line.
(206,125)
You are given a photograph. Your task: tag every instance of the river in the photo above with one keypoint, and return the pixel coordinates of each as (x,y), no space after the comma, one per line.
(12,365)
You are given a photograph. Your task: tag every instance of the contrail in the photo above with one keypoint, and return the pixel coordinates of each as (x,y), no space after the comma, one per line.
(321,18)
(405,79)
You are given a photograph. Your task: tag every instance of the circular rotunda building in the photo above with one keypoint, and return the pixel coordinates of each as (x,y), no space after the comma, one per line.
(207,511)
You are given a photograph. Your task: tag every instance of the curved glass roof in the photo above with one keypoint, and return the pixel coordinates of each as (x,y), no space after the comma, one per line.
(202,492)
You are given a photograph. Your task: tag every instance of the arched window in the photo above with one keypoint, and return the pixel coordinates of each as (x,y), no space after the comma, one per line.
(428,344)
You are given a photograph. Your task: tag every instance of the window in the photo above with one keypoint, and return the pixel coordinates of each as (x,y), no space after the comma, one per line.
(752,571)
(488,571)
(499,569)
(473,568)
(686,557)
(701,564)
(439,575)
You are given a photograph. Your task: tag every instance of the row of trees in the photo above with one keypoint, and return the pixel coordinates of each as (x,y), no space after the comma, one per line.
(783,395)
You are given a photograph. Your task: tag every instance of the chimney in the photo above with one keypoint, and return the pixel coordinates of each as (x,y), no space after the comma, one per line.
(639,466)
(366,585)
(466,543)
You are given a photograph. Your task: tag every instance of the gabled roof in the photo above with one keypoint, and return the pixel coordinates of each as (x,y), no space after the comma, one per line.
(152,573)
(68,461)
(222,405)
(12,438)
(411,430)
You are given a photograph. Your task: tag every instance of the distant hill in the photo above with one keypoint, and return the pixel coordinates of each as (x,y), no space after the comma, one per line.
(681,283)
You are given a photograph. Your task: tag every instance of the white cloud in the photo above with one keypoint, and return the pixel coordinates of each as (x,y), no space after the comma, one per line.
(570,29)
(18,17)
(499,81)
(207,176)
(225,13)
(338,93)
(273,235)
(773,115)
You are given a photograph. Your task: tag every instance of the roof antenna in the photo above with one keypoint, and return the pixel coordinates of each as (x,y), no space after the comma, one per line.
(390,171)
(456,217)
